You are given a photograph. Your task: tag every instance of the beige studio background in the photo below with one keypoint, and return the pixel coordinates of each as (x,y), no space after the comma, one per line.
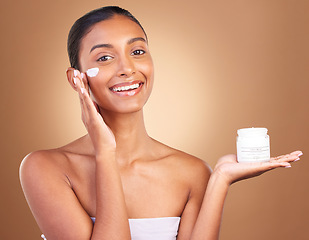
(220,65)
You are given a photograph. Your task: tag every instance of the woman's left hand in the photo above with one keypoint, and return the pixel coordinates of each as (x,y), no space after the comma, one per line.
(228,167)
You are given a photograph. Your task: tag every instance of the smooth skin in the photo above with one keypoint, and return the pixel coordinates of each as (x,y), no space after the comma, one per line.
(117,171)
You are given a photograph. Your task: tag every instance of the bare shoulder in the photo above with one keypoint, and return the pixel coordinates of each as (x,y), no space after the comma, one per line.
(44,162)
(186,164)
(193,166)
(40,164)
(41,158)
(45,180)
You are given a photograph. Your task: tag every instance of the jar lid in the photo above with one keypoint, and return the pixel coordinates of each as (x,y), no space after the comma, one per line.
(252,132)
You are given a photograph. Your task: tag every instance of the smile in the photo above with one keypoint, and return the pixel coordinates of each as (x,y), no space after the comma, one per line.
(127,89)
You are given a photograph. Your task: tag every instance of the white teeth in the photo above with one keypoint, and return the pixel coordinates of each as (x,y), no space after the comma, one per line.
(125,88)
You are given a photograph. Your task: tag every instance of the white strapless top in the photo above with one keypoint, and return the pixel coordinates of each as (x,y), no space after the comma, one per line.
(165,228)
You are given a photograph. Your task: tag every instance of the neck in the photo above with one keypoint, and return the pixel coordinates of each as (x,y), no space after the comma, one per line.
(130,134)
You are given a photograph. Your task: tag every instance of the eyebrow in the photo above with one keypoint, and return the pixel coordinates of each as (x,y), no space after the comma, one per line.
(107,45)
(132,40)
(101,46)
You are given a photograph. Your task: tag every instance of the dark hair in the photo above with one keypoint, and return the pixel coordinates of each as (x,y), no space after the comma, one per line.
(82,26)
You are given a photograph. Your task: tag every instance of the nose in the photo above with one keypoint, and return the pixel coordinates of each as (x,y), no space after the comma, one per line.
(126,67)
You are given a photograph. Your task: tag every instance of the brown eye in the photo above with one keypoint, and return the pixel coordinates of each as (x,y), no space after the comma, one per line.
(104,58)
(138,52)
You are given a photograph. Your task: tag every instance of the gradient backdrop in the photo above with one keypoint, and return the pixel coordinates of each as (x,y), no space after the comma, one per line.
(220,65)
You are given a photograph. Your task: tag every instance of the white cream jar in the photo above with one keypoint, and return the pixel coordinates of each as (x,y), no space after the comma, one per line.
(253,145)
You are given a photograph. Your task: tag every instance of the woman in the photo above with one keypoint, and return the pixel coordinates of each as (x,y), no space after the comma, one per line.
(116,182)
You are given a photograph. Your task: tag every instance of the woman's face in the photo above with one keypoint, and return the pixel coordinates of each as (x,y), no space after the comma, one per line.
(118,47)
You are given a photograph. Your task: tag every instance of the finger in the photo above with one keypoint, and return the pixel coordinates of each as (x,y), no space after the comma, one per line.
(287,157)
(71,72)
(276,158)
(280,164)
(79,88)
(290,158)
(77,80)
(284,158)
(85,81)
(266,166)
(78,76)
(84,109)
(275,164)
(96,106)
(79,83)
(89,104)
(298,153)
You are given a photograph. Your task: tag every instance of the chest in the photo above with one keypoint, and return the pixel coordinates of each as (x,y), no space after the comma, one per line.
(150,190)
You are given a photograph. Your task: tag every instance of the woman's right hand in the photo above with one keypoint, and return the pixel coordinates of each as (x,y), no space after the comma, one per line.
(111,213)
(101,135)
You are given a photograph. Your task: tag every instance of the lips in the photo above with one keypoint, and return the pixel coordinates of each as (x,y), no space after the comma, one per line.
(127,88)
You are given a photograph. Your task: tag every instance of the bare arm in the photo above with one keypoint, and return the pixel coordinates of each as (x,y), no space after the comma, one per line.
(111,215)
(51,197)
(207,226)
(226,172)
(199,178)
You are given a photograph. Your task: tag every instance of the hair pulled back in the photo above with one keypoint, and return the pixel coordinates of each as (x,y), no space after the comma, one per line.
(83,25)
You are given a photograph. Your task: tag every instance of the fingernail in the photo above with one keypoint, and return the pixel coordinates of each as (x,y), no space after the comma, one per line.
(300,154)
(74,81)
(286,164)
(75,73)
(82,90)
(297,159)
(82,75)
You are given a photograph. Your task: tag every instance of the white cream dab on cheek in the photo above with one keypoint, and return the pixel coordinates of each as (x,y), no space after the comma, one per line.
(92,72)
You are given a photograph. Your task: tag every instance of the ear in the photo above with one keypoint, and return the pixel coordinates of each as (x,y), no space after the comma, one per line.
(70,76)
